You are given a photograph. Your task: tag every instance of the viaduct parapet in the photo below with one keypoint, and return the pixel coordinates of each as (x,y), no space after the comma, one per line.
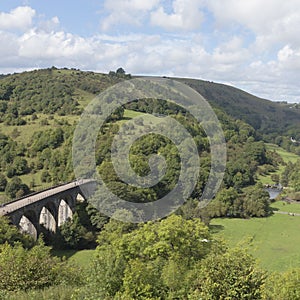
(48,209)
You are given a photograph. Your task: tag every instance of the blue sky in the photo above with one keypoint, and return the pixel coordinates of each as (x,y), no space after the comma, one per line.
(250,44)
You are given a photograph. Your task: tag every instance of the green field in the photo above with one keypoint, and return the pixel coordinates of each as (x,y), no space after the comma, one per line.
(286,156)
(130,114)
(83,258)
(287,207)
(274,241)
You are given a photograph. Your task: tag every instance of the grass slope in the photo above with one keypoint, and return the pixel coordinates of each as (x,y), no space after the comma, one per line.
(82,258)
(286,156)
(274,241)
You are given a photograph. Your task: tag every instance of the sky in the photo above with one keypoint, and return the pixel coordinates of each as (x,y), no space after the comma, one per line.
(250,44)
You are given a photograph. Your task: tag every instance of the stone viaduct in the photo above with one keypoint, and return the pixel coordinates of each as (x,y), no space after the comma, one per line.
(48,209)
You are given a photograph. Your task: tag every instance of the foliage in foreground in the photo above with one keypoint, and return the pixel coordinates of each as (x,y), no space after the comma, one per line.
(11,234)
(61,292)
(171,259)
(23,269)
(283,286)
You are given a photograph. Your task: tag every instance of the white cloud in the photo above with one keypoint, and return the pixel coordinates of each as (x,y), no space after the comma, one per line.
(285,53)
(154,55)
(129,5)
(289,59)
(60,46)
(11,45)
(18,18)
(256,14)
(271,21)
(49,25)
(186,15)
(131,12)
(222,56)
(231,53)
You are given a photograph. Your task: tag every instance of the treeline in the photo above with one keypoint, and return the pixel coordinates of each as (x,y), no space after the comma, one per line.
(253,201)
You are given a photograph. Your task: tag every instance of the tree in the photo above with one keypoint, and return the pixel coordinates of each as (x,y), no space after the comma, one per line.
(282,286)
(229,275)
(275,178)
(224,204)
(20,166)
(3,182)
(11,235)
(45,176)
(16,187)
(138,263)
(120,71)
(22,269)
(75,235)
(256,202)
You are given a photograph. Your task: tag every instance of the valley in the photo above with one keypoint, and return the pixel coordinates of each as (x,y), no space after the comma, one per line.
(39,112)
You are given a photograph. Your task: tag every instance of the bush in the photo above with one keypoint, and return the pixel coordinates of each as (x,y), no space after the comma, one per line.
(22,269)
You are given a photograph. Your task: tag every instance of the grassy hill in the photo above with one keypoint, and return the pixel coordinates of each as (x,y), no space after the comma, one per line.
(66,92)
(49,99)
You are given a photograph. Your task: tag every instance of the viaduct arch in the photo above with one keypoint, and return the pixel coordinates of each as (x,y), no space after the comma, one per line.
(48,209)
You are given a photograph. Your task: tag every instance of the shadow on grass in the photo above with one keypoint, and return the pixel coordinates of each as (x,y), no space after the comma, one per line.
(272,211)
(215,228)
(63,253)
(126,118)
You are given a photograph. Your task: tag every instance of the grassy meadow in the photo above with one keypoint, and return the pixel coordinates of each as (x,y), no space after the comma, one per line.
(274,241)
(82,258)
(286,156)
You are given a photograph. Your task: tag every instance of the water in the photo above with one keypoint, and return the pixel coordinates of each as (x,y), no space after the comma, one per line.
(273,192)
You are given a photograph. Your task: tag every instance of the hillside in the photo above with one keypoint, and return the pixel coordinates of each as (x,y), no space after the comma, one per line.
(271,119)
(67,91)
(50,91)
(39,111)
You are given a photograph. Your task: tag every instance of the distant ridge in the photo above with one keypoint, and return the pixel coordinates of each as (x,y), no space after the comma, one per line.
(67,91)
(264,115)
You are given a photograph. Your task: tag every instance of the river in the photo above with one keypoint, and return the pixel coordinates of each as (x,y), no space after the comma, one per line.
(273,192)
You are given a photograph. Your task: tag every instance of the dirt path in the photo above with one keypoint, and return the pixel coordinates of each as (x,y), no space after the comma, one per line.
(287,213)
